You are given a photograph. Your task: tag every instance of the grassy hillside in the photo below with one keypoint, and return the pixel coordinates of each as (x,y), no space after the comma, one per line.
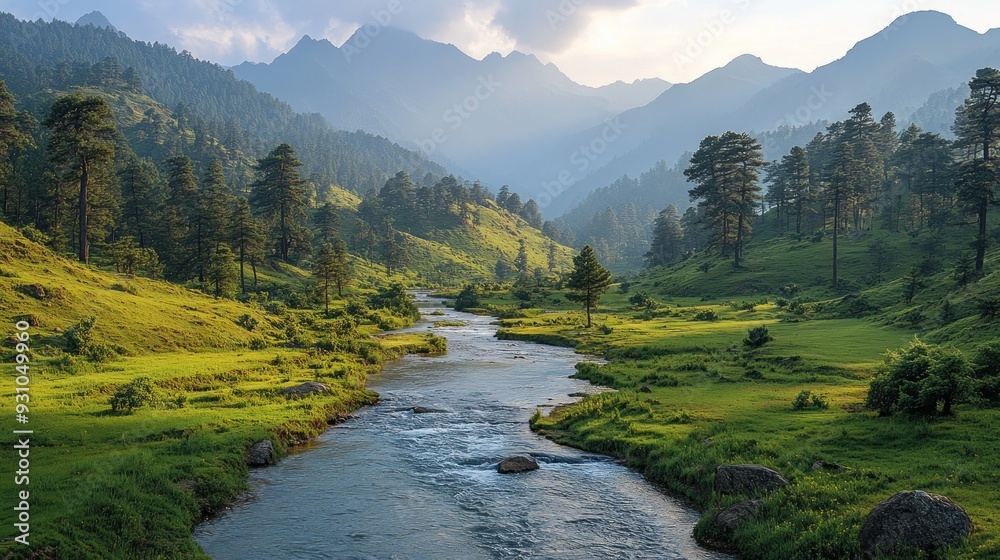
(136,314)
(692,396)
(465,253)
(107,485)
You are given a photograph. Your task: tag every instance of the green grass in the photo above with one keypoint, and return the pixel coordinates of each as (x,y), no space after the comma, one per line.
(108,486)
(703,410)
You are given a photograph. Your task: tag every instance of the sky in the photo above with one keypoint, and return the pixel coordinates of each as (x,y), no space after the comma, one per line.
(595,42)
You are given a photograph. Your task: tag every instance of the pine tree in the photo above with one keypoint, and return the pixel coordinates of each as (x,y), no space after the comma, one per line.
(325,271)
(978,129)
(215,203)
(139,182)
(81,145)
(532,214)
(278,194)
(344,272)
(14,136)
(326,223)
(246,235)
(588,281)
(521,262)
(667,238)
(221,271)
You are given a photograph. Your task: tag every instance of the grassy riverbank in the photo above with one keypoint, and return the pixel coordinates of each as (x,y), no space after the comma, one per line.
(692,396)
(104,485)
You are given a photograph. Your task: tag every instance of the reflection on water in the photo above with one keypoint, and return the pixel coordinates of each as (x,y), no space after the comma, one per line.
(395,484)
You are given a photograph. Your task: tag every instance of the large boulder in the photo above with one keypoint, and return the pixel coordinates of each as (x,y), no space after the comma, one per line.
(720,532)
(514,465)
(914,520)
(749,480)
(261,454)
(306,389)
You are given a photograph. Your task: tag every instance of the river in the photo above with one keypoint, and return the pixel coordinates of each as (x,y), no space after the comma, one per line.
(394,484)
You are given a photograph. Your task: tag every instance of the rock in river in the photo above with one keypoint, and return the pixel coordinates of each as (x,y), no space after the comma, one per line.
(747,479)
(915,520)
(261,454)
(513,465)
(729,520)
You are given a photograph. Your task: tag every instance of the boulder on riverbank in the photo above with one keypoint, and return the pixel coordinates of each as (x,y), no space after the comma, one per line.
(515,465)
(306,389)
(913,520)
(261,454)
(749,480)
(720,531)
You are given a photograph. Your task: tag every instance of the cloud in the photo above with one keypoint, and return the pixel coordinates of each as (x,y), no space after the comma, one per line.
(550,26)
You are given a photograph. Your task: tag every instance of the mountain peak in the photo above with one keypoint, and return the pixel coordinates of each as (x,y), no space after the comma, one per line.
(97,19)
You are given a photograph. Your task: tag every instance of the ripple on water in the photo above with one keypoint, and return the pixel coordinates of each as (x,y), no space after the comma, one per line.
(394,484)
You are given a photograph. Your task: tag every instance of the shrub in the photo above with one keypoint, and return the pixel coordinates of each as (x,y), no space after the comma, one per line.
(468,298)
(132,395)
(101,353)
(643,301)
(753,374)
(806,399)
(248,322)
(395,299)
(917,379)
(257,343)
(80,336)
(276,308)
(757,337)
(707,315)
(605,329)
(801,400)
(987,371)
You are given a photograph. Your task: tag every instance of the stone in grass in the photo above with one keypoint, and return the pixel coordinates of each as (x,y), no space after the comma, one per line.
(261,454)
(725,524)
(749,480)
(914,519)
(307,389)
(515,465)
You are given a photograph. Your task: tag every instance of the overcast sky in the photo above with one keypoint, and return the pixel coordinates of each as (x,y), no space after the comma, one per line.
(593,41)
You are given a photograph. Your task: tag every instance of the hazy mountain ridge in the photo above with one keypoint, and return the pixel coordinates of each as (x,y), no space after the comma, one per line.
(485,115)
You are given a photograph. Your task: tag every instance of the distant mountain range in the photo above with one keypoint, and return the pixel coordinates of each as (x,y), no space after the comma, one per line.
(516,120)
(480,116)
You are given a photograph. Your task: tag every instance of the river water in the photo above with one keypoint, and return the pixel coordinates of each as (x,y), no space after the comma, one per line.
(394,484)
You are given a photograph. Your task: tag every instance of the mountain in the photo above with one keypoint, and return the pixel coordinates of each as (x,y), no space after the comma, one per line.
(208,95)
(637,139)
(915,68)
(96,19)
(484,115)
(897,70)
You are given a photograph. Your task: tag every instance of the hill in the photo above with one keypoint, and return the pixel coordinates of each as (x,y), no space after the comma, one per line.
(36,55)
(204,378)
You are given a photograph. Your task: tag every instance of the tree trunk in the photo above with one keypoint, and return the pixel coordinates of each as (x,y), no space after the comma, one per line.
(981,242)
(836,230)
(84,214)
(243,277)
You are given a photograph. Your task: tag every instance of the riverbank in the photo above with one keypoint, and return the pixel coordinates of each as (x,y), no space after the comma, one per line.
(692,396)
(111,486)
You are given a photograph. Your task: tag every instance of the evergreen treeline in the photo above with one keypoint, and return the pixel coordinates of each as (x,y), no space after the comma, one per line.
(858,175)
(206,99)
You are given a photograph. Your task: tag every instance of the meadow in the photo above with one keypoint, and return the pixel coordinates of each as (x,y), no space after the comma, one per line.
(691,396)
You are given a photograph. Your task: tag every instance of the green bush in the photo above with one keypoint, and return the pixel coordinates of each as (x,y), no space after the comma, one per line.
(395,299)
(101,353)
(707,315)
(80,336)
(919,379)
(757,337)
(468,298)
(132,395)
(248,322)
